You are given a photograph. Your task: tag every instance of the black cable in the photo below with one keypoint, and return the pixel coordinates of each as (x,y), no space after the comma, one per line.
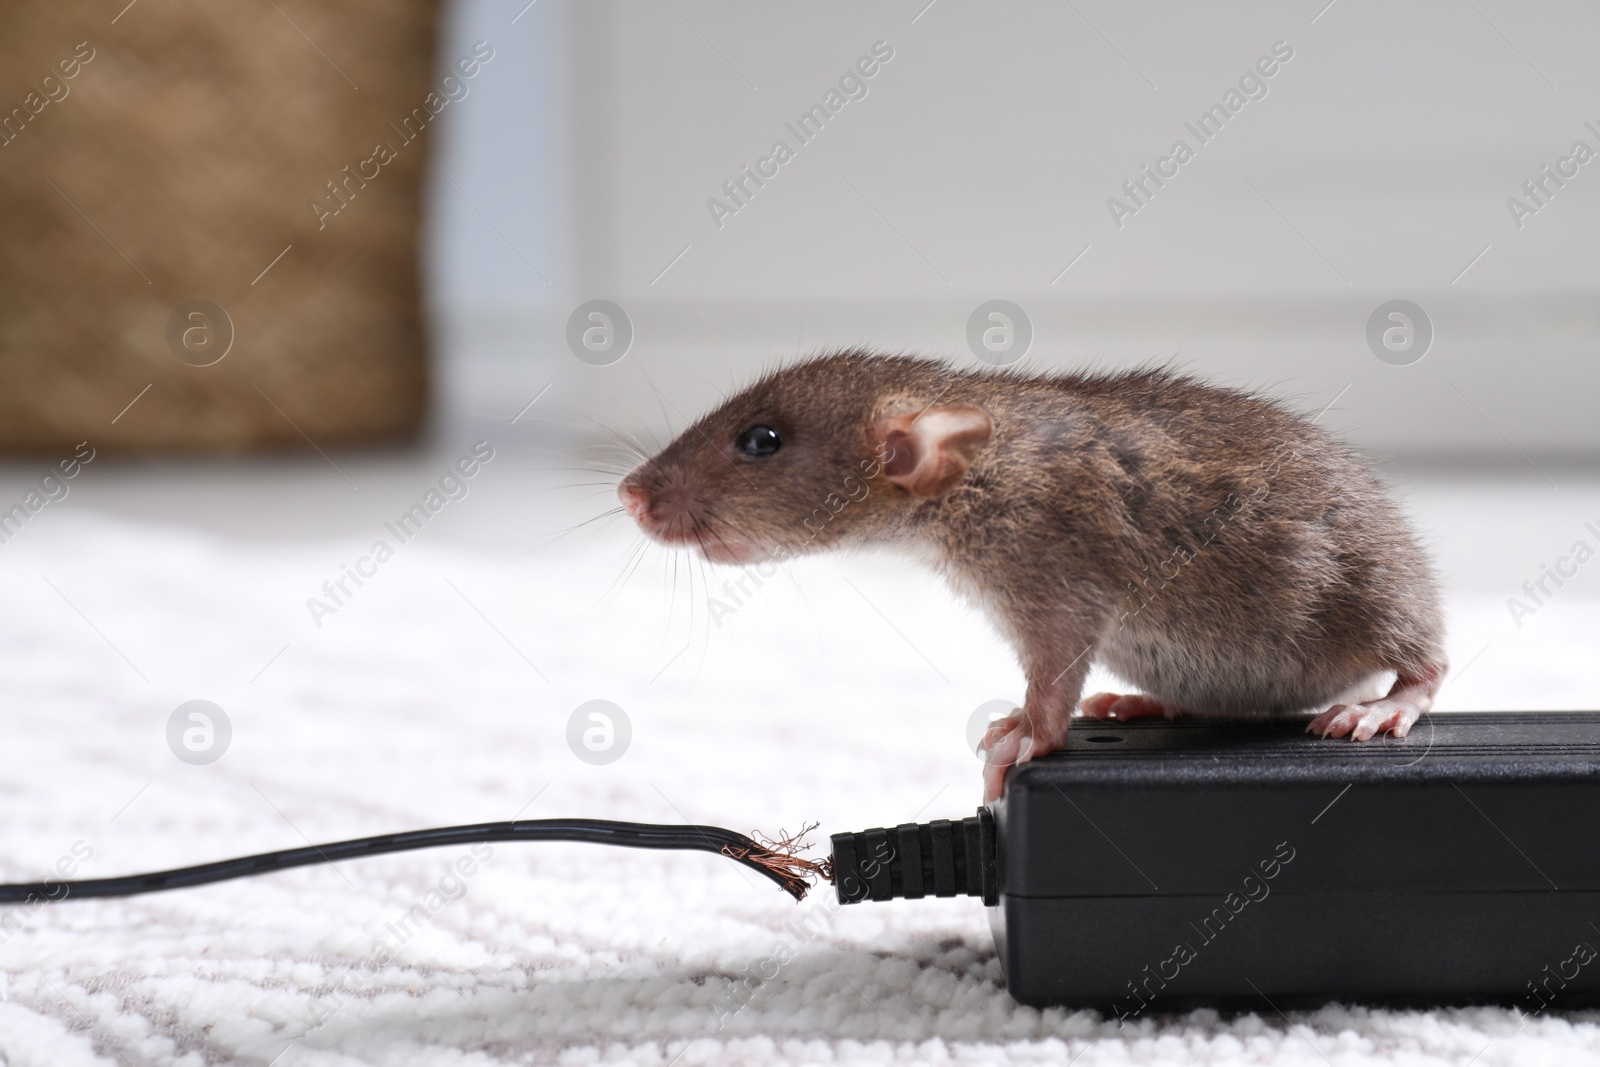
(775,863)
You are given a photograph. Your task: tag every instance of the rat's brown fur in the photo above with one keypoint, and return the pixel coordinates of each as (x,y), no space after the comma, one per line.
(1219,551)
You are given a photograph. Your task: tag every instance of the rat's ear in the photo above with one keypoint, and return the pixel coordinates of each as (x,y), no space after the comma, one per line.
(927,453)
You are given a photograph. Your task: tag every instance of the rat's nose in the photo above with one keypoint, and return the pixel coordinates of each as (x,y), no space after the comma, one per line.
(634,500)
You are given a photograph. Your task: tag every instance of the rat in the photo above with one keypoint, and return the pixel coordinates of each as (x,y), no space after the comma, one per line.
(1210,546)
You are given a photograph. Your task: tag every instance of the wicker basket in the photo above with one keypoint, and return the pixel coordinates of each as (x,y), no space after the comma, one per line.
(167,163)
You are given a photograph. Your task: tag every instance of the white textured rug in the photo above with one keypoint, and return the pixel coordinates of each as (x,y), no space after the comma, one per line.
(439,692)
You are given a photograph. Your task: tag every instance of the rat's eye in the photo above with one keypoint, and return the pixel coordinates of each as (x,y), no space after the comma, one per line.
(758,442)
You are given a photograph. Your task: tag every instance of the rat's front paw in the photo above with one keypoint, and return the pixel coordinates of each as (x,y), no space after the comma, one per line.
(1017,738)
(1119,707)
(1363,721)
(1009,741)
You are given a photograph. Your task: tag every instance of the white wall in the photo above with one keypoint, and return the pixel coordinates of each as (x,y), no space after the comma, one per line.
(979,164)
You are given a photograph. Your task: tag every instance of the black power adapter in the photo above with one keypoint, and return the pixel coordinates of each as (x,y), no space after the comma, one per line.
(1157,865)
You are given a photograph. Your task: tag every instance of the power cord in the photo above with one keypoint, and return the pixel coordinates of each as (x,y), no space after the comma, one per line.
(772,859)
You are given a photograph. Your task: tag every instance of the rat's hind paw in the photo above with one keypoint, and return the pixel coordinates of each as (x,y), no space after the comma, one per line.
(1133,706)
(1363,721)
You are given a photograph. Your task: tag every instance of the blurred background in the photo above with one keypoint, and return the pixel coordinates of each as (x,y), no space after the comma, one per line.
(275,273)
(979,164)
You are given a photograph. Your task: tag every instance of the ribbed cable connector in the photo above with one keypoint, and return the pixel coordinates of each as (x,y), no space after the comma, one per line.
(937,859)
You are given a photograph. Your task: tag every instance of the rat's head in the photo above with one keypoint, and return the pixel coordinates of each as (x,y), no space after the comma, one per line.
(826,452)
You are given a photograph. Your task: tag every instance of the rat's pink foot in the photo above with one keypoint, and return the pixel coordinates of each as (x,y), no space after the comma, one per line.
(1364,721)
(1131,706)
(1407,702)
(1012,740)
(1009,741)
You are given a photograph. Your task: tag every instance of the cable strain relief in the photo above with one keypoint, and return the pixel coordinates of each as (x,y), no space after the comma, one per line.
(942,858)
